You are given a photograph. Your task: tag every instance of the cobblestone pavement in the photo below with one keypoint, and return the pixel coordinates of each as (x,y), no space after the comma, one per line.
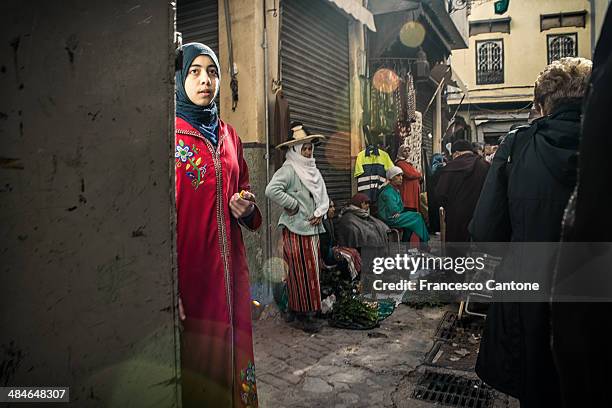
(340,368)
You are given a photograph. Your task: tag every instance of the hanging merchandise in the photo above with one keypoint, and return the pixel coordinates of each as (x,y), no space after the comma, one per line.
(403,132)
(371,168)
(385,101)
(415,140)
(410,98)
(384,112)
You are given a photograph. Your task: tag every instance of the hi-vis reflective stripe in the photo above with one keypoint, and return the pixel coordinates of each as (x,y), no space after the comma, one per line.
(370,187)
(371,178)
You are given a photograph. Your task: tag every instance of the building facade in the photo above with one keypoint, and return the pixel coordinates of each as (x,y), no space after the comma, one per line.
(506,53)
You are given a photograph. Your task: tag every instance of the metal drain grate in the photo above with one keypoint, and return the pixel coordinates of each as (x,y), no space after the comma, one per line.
(446,328)
(430,358)
(452,390)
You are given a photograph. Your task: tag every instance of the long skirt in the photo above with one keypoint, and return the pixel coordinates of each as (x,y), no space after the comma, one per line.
(301,255)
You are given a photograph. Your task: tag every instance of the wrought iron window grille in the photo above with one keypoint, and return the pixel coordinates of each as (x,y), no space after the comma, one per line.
(489,62)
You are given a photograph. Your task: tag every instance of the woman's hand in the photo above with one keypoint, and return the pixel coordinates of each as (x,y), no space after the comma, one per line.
(315,220)
(182,314)
(292,212)
(242,207)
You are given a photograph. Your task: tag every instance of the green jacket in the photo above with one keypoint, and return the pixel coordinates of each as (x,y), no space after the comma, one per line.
(390,203)
(286,190)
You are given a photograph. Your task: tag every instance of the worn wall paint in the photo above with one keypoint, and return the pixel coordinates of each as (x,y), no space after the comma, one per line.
(357,66)
(247,27)
(86,204)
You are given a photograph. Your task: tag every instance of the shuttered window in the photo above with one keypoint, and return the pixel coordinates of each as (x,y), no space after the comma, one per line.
(315,80)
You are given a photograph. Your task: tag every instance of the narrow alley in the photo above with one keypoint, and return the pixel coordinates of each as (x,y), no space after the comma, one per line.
(366,368)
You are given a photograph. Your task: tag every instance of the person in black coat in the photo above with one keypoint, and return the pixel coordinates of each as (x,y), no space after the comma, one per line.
(458,188)
(523,200)
(579,346)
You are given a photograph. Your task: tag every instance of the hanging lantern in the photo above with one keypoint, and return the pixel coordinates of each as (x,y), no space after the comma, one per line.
(422,65)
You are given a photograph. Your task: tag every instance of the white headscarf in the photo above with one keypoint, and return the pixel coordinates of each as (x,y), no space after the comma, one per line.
(394,171)
(403,153)
(307,171)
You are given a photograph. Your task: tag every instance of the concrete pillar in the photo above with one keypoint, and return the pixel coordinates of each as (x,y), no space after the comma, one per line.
(248,119)
(247,28)
(88,277)
(357,64)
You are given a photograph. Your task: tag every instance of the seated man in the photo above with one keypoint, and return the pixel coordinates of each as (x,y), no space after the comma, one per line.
(356,228)
(345,259)
(391,208)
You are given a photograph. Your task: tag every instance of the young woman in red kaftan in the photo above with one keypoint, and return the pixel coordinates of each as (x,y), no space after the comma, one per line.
(217,349)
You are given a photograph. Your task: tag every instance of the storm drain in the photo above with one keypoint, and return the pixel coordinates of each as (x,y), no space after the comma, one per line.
(453,390)
(433,354)
(446,328)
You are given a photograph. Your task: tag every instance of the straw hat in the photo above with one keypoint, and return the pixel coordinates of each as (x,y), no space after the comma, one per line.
(299,135)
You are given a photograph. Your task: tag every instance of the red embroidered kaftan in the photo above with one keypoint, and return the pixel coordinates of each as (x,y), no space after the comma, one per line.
(217,347)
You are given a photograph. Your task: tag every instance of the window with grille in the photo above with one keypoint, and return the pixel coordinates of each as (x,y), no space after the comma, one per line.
(489,62)
(561,46)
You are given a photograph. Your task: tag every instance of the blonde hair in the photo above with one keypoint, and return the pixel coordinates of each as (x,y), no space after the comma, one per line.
(563,81)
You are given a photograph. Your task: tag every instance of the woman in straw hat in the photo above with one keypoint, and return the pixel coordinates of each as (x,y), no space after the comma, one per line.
(299,189)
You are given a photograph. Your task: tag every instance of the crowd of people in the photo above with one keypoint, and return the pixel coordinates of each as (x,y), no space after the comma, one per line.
(213,201)
(313,232)
(517,192)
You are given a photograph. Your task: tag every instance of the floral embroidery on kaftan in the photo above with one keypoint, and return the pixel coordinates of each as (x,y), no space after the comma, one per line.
(194,169)
(248,392)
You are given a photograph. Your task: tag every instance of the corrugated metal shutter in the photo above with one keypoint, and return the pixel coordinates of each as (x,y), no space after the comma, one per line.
(315,79)
(198,21)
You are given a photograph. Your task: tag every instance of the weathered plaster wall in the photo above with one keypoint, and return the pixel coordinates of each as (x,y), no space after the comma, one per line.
(357,66)
(248,118)
(246,27)
(86,204)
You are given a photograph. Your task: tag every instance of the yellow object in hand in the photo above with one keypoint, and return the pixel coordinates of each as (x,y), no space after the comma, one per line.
(246,195)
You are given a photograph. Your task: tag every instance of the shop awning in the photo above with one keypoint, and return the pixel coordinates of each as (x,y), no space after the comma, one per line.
(359,13)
